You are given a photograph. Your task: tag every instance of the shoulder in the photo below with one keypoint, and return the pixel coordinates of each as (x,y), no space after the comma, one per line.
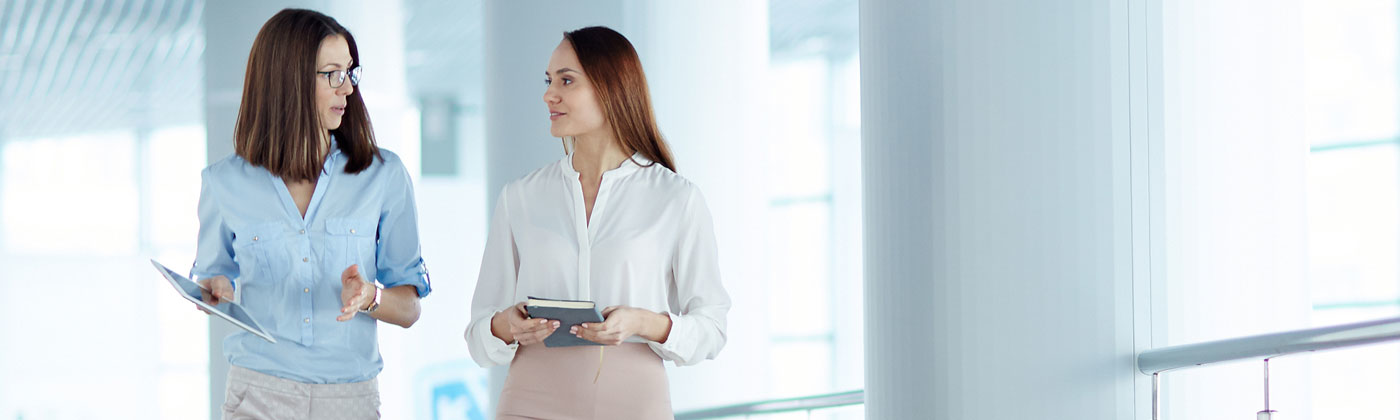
(389,160)
(666,183)
(538,180)
(230,169)
(386,167)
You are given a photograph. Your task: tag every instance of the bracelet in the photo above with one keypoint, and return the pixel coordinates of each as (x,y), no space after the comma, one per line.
(373,304)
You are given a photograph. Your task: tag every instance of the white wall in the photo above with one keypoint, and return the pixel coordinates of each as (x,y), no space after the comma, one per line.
(999,280)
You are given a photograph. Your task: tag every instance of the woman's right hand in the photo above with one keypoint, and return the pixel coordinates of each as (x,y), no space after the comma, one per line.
(215,290)
(514,325)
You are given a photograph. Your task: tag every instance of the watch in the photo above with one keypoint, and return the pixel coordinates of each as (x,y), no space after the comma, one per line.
(374,304)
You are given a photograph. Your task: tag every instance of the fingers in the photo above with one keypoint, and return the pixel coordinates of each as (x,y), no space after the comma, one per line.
(531,331)
(207,297)
(598,332)
(609,310)
(222,289)
(351,273)
(352,306)
(354,295)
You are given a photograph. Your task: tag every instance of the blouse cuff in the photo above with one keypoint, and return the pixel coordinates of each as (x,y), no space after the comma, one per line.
(677,341)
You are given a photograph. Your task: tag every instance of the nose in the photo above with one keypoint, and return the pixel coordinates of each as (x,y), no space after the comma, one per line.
(345,89)
(550,96)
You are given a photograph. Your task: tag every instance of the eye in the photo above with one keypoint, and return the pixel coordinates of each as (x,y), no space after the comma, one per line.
(547,82)
(568,81)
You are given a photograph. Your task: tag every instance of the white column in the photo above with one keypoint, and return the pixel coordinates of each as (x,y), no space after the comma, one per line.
(378,27)
(707,67)
(998,214)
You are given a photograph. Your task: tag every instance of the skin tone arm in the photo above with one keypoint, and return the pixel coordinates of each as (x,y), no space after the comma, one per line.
(397,305)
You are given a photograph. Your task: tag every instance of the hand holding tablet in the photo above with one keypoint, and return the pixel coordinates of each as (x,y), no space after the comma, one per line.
(216,301)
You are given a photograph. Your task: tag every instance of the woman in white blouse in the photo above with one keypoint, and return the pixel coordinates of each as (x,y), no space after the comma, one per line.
(612,223)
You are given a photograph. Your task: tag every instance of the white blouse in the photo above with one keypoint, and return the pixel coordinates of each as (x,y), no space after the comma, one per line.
(650,244)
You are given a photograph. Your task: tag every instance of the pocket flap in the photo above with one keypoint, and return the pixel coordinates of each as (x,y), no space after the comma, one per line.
(258,232)
(351,227)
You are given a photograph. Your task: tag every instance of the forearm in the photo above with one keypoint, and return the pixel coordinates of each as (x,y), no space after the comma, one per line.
(398,305)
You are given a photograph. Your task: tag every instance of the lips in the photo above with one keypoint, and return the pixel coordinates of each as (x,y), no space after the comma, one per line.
(556,115)
(338,110)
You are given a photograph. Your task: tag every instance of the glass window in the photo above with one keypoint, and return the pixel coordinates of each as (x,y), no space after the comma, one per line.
(813,186)
(1353,191)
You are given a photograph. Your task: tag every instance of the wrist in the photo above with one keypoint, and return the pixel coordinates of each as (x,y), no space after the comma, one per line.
(500,326)
(373,304)
(660,327)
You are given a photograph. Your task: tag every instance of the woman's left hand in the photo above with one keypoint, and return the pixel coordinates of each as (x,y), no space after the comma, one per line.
(623,322)
(355,293)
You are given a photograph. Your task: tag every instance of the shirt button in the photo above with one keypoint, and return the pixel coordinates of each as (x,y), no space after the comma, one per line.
(352,231)
(303,231)
(255,238)
(305,259)
(306,290)
(308,320)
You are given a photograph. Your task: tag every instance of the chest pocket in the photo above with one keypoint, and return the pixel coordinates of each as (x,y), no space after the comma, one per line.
(352,241)
(260,249)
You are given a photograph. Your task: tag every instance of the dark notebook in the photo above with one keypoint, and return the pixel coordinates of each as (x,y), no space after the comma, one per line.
(569,313)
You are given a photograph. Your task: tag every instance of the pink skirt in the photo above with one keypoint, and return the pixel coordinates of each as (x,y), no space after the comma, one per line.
(558,383)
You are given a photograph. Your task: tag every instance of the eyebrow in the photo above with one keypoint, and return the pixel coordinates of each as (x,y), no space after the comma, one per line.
(562,71)
(337,65)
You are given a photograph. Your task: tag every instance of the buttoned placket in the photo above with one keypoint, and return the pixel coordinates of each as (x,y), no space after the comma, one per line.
(585,227)
(307,270)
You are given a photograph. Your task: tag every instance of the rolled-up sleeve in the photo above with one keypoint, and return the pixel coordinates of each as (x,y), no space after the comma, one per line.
(495,288)
(399,255)
(214,248)
(699,304)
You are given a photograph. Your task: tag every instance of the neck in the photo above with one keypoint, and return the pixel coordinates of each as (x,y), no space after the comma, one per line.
(597,153)
(323,146)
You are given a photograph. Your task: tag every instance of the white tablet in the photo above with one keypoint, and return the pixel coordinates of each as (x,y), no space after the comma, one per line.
(229,311)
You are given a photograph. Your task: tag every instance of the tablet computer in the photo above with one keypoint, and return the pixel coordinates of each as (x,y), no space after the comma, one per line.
(229,311)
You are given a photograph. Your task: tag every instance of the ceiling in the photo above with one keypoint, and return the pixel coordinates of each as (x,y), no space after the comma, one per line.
(77,66)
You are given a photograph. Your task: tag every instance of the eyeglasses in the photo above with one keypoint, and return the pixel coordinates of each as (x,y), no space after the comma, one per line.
(336,78)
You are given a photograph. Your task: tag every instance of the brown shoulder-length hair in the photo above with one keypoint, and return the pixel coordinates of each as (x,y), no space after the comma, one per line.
(616,73)
(278,124)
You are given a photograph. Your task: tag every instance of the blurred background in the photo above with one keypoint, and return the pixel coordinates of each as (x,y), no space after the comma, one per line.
(109,109)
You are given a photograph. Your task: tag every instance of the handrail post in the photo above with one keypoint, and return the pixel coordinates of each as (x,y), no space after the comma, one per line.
(1267,414)
(1156,391)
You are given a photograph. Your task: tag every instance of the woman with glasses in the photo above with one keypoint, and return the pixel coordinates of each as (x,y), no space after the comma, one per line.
(300,224)
(611,222)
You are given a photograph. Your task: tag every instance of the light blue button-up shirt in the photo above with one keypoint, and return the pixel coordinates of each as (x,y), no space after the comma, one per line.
(286,268)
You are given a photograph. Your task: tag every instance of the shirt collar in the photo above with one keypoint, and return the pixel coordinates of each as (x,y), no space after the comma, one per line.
(328,166)
(627,167)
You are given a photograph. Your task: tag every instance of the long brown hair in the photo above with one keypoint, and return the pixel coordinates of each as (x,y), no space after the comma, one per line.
(616,73)
(278,124)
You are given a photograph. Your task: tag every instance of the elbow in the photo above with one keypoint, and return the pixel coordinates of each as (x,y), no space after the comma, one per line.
(410,316)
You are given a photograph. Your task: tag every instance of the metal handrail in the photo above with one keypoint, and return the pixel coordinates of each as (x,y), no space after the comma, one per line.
(815,402)
(1267,346)
(1151,362)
